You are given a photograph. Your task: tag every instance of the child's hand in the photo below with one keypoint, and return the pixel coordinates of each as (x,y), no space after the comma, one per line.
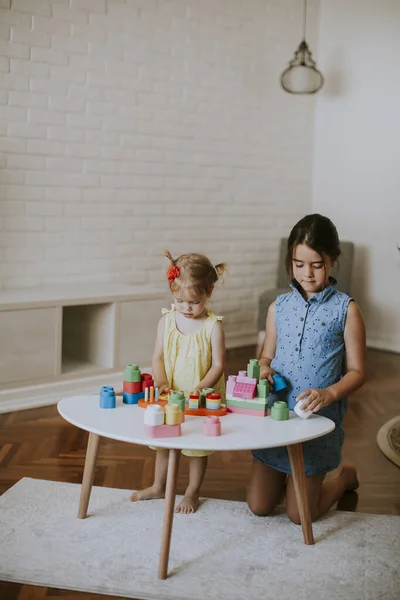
(315,399)
(266,373)
(163,389)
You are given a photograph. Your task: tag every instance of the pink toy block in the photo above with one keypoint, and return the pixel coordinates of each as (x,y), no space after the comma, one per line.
(163,431)
(212,426)
(245,390)
(247,411)
(242,374)
(230,384)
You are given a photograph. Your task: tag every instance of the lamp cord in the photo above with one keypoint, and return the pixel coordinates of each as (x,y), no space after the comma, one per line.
(305,20)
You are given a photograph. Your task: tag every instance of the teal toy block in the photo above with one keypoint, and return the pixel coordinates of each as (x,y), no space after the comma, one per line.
(177,398)
(279,383)
(253,369)
(107,397)
(132,373)
(263,388)
(132,398)
(280,411)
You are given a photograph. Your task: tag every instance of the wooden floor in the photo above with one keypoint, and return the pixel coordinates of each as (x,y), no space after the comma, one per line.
(39,443)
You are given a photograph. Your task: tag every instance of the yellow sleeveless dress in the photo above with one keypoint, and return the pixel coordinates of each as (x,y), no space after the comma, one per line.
(187,358)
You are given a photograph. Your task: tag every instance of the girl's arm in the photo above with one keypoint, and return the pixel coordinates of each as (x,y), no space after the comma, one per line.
(217,358)
(355,344)
(157,362)
(268,351)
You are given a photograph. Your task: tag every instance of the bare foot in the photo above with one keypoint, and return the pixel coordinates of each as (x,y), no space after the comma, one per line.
(188,504)
(149,493)
(349,473)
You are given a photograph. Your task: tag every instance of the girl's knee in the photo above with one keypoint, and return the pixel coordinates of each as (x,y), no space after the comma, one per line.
(294,515)
(259,508)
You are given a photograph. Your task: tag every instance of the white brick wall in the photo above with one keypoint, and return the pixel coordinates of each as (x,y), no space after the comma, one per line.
(130,125)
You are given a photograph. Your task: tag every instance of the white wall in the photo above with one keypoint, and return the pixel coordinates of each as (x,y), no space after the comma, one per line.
(357,157)
(128,126)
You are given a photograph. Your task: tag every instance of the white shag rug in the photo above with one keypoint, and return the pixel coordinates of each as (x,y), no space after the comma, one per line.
(221,552)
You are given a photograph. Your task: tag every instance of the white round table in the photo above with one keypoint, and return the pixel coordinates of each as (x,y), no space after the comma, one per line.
(239,432)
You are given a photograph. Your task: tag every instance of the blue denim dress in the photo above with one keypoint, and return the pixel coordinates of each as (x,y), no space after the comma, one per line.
(310,353)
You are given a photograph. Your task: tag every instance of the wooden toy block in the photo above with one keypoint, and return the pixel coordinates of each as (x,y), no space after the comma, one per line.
(132,373)
(154,415)
(162,431)
(303,414)
(107,397)
(132,398)
(132,387)
(280,411)
(212,426)
(213,401)
(253,368)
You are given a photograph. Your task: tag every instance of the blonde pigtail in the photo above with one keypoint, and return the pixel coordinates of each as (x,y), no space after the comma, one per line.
(168,254)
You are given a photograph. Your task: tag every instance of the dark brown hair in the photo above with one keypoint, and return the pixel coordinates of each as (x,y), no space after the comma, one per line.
(196,272)
(316,232)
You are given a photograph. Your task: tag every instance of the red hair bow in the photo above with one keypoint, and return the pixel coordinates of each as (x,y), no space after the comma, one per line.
(173,272)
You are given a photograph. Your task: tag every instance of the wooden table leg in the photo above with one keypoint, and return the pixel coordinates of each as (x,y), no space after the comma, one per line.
(170,493)
(88,474)
(300,486)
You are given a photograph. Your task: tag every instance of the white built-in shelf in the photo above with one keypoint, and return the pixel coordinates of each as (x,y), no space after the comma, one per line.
(55,332)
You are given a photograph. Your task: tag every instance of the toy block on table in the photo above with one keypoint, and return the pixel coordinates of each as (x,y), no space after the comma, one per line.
(245,387)
(230,384)
(132,398)
(263,388)
(212,426)
(194,401)
(279,383)
(132,387)
(147,381)
(159,423)
(132,374)
(280,411)
(246,393)
(177,397)
(213,401)
(253,369)
(107,397)
(300,412)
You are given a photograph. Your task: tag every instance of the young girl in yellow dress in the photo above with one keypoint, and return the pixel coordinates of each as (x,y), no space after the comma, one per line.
(189,354)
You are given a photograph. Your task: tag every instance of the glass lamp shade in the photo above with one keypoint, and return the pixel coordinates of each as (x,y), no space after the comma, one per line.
(302,75)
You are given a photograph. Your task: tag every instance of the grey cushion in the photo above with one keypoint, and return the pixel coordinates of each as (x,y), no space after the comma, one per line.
(342,272)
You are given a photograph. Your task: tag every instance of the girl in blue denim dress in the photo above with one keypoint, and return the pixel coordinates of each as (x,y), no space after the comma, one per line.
(315,338)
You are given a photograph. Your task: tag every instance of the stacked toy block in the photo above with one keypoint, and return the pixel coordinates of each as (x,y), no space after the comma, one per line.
(159,423)
(135,384)
(246,393)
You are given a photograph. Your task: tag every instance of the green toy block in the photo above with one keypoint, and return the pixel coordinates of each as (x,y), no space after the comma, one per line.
(263,388)
(177,398)
(132,374)
(280,411)
(255,404)
(253,369)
